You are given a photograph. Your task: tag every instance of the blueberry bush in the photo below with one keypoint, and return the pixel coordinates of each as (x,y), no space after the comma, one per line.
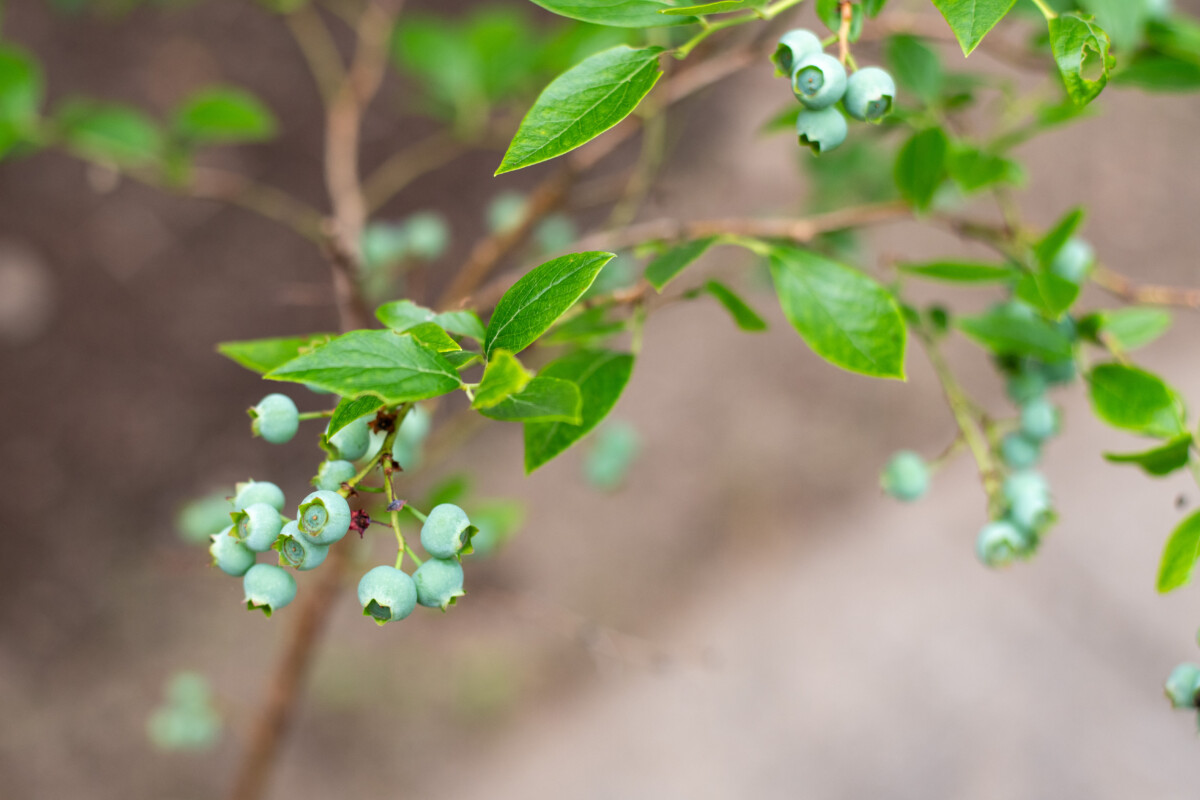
(550,346)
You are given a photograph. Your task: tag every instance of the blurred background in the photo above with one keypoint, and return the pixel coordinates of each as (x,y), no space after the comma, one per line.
(743,615)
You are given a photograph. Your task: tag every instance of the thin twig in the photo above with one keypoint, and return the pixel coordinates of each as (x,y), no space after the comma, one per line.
(267,201)
(405,166)
(1131,291)
(318,49)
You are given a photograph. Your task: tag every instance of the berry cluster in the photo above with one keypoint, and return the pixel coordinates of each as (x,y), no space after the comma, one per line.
(819,82)
(1183,686)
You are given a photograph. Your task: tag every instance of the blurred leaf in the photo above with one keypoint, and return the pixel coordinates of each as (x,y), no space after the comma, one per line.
(921,166)
(613,451)
(1047,292)
(1135,400)
(1131,328)
(1158,461)
(21,91)
(915,66)
(264,355)
(1160,73)
(587,326)
(221,114)
(830,13)
(497,521)
(962,272)
(1006,331)
(743,315)
(1180,554)
(973,169)
(122,135)
(1123,19)
(1049,245)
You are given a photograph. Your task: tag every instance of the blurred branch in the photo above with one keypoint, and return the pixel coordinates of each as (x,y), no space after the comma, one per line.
(1131,291)
(319,51)
(267,201)
(405,166)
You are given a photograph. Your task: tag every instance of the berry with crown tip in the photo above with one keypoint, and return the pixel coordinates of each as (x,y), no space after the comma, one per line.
(1074,260)
(821,131)
(1182,685)
(323,517)
(819,81)
(251,492)
(906,476)
(439,582)
(257,526)
(351,441)
(1028,497)
(447,531)
(1000,543)
(1039,419)
(268,588)
(387,594)
(229,555)
(1019,451)
(275,418)
(298,551)
(332,474)
(794,46)
(869,94)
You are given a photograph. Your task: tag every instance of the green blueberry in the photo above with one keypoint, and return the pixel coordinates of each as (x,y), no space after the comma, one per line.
(269,588)
(275,418)
(351,442)
(323,517)
(332,474)
(1026,483)
(1028,497)
(1074,260)
(869,94)
(229,555)
(821,131)
(406,449)
(906,476)
(1019,451)
(298,551)
(818,81)
(794,47)
(1039,419)
(447,531)
(427,235)
(257,526)
(1182,685)
(505,212)
(1000,543)
(251,492)
(1025,386)
(439,582)
(387,594)
(556,233)
(1059,372)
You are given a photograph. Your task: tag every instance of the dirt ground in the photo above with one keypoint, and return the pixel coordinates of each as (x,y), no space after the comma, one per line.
(746,617)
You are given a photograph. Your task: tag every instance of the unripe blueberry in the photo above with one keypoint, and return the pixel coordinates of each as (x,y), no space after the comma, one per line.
(1182,685)
(447,531)
(821,130)
(406,449)
(1039,419)
(439,582)
(869,94)
(387,594)
(1025,386)
(269,588)
(818,80)
(1028,496)
(252,492)
(229,555)
(1059,372)
(1019,451)
(1000,543)
(1074,260)
(332,474)
(1026,483)
(275,418)
(324,517)
(351,442)
(794,47)
(906,477)
(427,234)
(298,551)
(257,526)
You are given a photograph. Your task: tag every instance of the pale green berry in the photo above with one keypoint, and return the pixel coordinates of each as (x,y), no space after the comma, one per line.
(1019,451)
(428,235)
(1182,685)
(324,517)
(506,211)
(269,588)
(869,94)
(275,418)
(1059,372)
(406,449)
(351,441)
(821,131)
(1000,543)
(387,594)
(1028,497)
(299,551)
(794,47)
(906,477)
(818,80)
(555,234)
(1039,419)
(332,474)
(1074,260)
(1025,386)
(1159,9)
(439,582)
(229,555)
(447,531)
(251,492)
(257,526)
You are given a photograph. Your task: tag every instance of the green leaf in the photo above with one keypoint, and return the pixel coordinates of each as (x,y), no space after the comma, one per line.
(543,400)
(1007,331)
(665,266)
(115,133)
(1080,49)
(1135,400)
(719,7)
(962,272)
(393,367)
(743,315)
(462,323)
(601,376)
(1123,19)
(531,306)
(972,19)
(619,13)
(873,7)
(351,408)
(830,13)
(973,169)
(582,103)
(844,316)
(1158,461)
(402,315)
(1131,328)
(587,326)
(461,359)
(433,336)
(264,355)
(1180,554)
(224,114)
(1047,292)
(915,67)
(921,166)
(1049,245)
(21,90)
(503,376)
(1160,73)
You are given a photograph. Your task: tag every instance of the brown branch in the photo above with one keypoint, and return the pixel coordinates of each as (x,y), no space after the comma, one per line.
(1131,291)
(318,49)
(267,201)
(405,166)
